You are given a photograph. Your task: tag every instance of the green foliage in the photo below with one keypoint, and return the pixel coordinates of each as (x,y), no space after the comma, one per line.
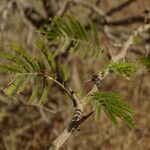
(95,33)
(44,96)
(35,90)
(96,40)
(24,68)
(64,73)
(15,84)
(14,59)
(113,106)
(24,82)
(27,57)
(10,68)
(68,33)
(48,56)
(125,69)
(64,34)
(145,61)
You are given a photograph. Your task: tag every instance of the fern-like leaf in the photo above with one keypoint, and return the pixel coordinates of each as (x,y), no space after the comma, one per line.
(113,105)
(15,59)
(125,69)
(112,99)
(69,31)
(27,57)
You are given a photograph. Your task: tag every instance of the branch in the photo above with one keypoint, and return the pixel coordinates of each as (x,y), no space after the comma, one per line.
(63,9)
(129,42)
(32,16)
(126,21)
(103,18)
(120,7)
(77,120)
(4,12)
(61,139)
(65,88)
(102,15)
(48,8)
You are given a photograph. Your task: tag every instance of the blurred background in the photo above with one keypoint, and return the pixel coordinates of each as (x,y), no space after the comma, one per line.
(27,127)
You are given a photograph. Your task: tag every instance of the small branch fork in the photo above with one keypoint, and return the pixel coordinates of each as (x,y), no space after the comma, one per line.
(77,118)
(129,42)
(61,139)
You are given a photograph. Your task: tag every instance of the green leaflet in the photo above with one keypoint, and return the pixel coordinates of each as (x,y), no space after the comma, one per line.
(51,62)
(26,79)
(10,68)
(111,115)
(95,33)
(97,108)
(40,66)
(14,59)
(64,73)
(120,104)
(18,84)
(17,81)
(40,44)
(27,57)
(63,44)
(124,116)
(35,89)
(87,100)
(79,30)
(44,96)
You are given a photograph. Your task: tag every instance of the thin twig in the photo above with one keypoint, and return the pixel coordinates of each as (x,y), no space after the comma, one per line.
(64,88)
(63,9)
(96,9)
(129,42)
(48,7)
(120,7)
